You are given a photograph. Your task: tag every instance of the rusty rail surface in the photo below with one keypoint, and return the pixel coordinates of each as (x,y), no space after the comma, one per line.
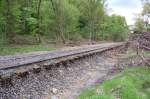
(9,64)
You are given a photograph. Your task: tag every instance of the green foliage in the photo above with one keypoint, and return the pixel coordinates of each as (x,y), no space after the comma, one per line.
(114,28)
(31,24)
(65,19)
(139,24)
(92,14)
(142,24)
(146,8)
(130,84)
(59,20)
(2,31)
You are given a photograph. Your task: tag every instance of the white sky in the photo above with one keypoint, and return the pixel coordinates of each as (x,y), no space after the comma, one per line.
(127,8)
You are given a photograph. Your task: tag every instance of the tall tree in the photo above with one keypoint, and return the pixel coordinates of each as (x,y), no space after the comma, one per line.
(114,28)
(143,24)
(8,18)
(39,21)
(92,12)
(65,18)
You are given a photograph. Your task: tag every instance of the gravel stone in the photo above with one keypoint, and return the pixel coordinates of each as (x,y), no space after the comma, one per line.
(60,82)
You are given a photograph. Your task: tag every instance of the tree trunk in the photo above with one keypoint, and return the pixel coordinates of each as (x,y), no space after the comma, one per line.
(59,19)
(38,24)
(8,22)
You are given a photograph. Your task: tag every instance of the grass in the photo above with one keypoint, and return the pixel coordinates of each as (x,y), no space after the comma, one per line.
(18,49)
(133,83)
(147,54)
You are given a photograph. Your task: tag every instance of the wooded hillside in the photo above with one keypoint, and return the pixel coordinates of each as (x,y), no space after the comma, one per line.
(58,21)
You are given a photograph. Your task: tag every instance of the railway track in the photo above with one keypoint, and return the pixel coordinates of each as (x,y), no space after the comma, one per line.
(20,66)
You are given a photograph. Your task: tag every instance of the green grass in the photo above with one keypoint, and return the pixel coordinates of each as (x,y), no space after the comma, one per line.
(147,54)
(18,49)
(133,83)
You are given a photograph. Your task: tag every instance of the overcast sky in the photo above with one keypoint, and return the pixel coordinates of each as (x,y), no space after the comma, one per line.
(127,8)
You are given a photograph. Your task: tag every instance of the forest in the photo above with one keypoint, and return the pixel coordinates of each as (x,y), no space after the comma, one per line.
(59,21)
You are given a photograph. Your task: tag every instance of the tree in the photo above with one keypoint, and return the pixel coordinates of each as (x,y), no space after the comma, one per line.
(114,28)
(139,24)
(92,12)
(65,18)
(55,20)
(38,21)
(142,21)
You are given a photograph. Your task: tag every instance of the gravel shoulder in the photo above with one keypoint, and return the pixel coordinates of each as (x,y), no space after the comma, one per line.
(81,76)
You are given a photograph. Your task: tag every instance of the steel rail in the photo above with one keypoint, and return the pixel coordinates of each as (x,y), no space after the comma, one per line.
(52,55)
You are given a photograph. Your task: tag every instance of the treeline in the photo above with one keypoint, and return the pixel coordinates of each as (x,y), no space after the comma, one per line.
(142,23)
(59,21)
